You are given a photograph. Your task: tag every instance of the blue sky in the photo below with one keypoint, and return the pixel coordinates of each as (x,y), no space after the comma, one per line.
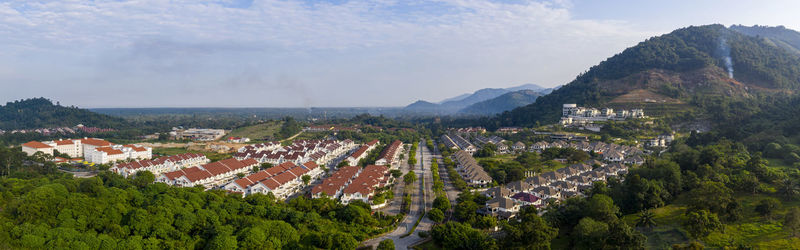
(288,53)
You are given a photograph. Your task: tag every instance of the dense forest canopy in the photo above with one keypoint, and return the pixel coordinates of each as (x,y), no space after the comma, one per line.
(42,113)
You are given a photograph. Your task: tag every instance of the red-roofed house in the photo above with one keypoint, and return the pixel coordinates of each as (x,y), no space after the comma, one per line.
(364,185)
(208,175)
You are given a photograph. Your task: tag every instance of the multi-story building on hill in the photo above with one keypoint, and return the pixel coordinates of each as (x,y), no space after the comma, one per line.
(572,114)
(92,149)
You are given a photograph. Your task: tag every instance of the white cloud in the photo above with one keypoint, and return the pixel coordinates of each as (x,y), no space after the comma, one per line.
(329,52)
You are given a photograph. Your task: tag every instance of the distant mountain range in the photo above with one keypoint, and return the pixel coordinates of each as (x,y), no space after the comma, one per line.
(486,101)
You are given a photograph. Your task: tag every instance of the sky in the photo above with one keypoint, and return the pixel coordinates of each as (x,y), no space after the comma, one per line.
(291,53)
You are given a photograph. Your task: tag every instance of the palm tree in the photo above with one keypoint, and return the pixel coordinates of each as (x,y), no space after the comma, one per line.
(646,219)
(789,189)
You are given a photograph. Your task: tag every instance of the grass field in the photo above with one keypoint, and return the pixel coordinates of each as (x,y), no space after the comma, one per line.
(428,245)
(257,132)
(752,230)
(213,156)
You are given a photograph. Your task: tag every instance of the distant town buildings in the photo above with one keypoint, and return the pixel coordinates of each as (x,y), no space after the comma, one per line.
(333,128)
(509,130)
(80,128)
(197,134)
(91,149)
(572,114)
(238,140)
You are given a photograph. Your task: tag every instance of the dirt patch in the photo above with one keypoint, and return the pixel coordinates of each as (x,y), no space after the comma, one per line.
(642,95)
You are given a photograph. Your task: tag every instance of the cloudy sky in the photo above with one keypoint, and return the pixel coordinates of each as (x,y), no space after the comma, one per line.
(288,53)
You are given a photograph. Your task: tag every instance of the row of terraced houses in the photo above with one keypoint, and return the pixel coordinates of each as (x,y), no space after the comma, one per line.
(160,165)
(282,180)
(320,151)
(552,186)
(209,175)
(352,183)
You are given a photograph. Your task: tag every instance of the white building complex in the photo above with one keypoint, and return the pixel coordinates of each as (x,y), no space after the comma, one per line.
(572,114)
(91,149)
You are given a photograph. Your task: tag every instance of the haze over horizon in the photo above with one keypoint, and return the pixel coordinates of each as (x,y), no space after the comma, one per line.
(238,53)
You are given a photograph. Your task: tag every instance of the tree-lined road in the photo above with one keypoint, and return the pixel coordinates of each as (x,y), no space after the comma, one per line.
(416,209)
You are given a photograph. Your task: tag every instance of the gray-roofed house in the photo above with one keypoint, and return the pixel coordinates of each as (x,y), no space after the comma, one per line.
(547,192)
(502,207)
(519,186)
(554,176)
(564,186)
(495,192)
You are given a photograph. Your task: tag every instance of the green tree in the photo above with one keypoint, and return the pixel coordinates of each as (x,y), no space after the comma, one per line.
(465,210)
(396,173)
(306,179)
(454,235)
(529,231)
(700,223)
(602,208)
(767,207)
(589,233)
(410,177)
(712,196)
(442,203)
(646,219)
(387,244)
(436,215)
(792,221)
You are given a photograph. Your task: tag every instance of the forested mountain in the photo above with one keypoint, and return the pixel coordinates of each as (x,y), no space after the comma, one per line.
(502,103)
(698,67)
(42,113)
(780,36)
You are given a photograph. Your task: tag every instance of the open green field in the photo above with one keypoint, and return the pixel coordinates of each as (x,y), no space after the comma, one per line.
(502,158)
(752,230)
(213,156)
(257,132)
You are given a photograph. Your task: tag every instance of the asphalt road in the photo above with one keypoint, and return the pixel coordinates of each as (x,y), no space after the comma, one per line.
(418,203)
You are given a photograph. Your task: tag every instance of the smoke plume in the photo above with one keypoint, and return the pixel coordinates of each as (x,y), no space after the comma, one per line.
(725,52)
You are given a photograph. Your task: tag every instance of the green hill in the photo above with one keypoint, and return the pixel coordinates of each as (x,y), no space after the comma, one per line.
(687,65)
(780,36)
(42,113)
